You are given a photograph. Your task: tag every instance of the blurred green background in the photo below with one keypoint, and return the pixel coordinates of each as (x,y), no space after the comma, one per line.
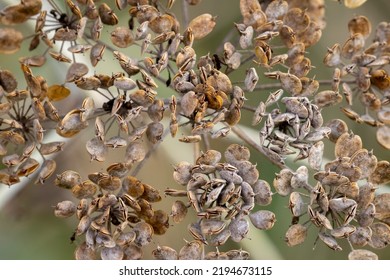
(29,229)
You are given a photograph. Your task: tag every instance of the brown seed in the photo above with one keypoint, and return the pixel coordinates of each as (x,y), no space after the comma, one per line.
(282,182)
(191,251)
(239,229)
(122,37)
(10,40)
(202,25)
(48,168)
(165,253)
(295,235)
(329,241)
(65,209)
(360,24)
(347,144)
(383,136)
(263,219)
(381,174)
(361,236)
(380,235)
(179,211)
(382,206)
(86,189)
(361,254)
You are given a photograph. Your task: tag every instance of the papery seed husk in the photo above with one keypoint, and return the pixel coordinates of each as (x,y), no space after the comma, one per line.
(366,216)
(97,149)
(86,189)
(202,25)
(144,233)
(179,211)
(382,206)
(383,136)
(263,219)
(347,144)
(182,172)
(343,231)
(381,174)
(220,238)
(262,191)
(329,241)
(315,155)
(361,236)
(210,157)
(282,183)
(239,229)
(132,252)
(296,204)
(165,253)
(65,209)
(154,132)
(338,127)
(114,253)
(68,179)
(236,152)
(362,254)
(85,252)
(10,40)
(135,152)
(191,251)
(295,235)
(48,168)
(380,235)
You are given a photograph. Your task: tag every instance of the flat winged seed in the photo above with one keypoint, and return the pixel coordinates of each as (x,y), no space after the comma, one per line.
(362,254)
(86,189)
(211,226)
(337,128)
(348,144)
(144,233)
(236,152)
(366,216)
(263,219)
(76,71)
(65,209)
(329,241)
(380,236)
(135,152)
(114,253)
(97,149)
(296,204)
(343,231)
(361,236)
(10,40)
(382,206)
(383,136)
(282,182)
(381,174)
(85,252)
(295,235)
(251,79)
(48,168)
(165,253)
(262,191)
(239,229)
(202,25)
(68,179)
(154,132)
(210,157)
(366,161)
(315,155)
(191,251)
(179,211)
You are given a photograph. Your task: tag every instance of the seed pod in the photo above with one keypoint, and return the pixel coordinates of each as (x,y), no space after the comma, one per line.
(154,132)
(251,79)
(361,254)
(210,157)
(212,226)
(383,136)
(262,191)
(327,98)
(10,40)
(329,241)
(68,179)
(338,127)
(202,25)
(28,167)
(179,211)
(380,236)
(65,209)
(282,182)
(85,252)
(361,236)
(295,235)
(347,144)
(263,219)
(343,231)
(366,216)
(296,204)
(86,189)
(97,149)
(191,251)
(382,206)
(239,229)
(48,168)
(237,255)
(165,253)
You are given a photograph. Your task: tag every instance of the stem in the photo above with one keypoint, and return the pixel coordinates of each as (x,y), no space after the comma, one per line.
(185,13)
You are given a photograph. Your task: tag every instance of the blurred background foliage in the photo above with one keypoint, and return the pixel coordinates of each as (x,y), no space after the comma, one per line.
(28,227)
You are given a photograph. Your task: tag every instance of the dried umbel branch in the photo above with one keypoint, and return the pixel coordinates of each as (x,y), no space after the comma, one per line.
(127,110)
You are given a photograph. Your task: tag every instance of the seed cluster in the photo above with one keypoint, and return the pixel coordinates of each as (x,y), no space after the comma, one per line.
(128,111)
(222,194)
